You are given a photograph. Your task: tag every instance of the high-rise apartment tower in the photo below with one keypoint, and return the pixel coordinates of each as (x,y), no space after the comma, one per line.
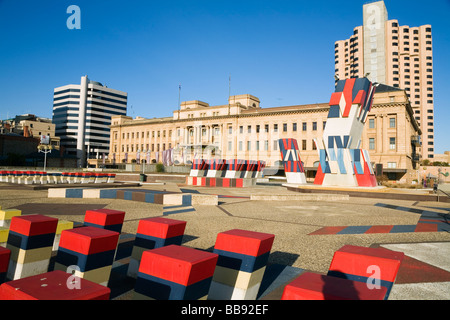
(399,56)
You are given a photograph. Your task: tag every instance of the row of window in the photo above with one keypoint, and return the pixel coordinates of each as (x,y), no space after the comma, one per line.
(66,91)
(392,123)
(406,43)
(109,93)
(132,135)
(249,129)
(406,37)
(203,115)
(406,29)
(392,143)
(294,128)
(135,148)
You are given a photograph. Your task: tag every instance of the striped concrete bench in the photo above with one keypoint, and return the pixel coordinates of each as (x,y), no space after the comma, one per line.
(148,196)
(220,182)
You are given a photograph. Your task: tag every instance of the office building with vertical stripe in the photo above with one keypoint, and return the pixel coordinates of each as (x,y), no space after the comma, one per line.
(82,116)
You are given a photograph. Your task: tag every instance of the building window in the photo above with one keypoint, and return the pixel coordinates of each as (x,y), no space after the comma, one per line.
(275,128)
(257,128)
(240,145)
(275,145)
(392,165)
(392,144)
(241,129)
(314,145)
(266,128)
(391,122)
(304,126)
(294,126)
(230,130)
(371,123)
(371,143)
(249,129)
(257,145)
(314,125)
(249,145)
(303,144)
(229,145)
(284,127)
(266,145)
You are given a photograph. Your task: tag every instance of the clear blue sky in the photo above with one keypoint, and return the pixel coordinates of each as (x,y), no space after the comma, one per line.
(280,51)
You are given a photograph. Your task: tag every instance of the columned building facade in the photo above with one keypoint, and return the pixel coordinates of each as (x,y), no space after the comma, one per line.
(242,129)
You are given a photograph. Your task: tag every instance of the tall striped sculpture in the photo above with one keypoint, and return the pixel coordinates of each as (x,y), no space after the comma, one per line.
(342,161)
(293,166)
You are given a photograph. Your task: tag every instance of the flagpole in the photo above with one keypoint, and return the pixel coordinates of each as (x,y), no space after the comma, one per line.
(179,101)
(179,97)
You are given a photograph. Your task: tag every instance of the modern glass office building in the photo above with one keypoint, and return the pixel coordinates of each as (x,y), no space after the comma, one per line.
(82,116)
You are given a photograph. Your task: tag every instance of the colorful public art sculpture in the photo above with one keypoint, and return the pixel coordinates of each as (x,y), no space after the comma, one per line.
(293,166)
(342,161)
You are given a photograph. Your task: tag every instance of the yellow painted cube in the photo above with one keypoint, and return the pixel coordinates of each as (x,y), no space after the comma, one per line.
(4,235)
(7,214)
(63,225)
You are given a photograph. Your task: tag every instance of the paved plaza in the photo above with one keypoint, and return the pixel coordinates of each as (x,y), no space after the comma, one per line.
(307,232)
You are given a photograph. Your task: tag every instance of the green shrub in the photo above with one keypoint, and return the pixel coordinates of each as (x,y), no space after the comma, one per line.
(159,167)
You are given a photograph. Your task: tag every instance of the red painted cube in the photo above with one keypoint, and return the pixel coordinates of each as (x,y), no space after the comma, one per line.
(178,264)
(54,285)
(33,225)
(89,240)
(361,261)
(246,242)
(161,227)
(105,218)
(313,286)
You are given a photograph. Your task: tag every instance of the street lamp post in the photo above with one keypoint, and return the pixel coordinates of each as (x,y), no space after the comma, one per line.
(45,148)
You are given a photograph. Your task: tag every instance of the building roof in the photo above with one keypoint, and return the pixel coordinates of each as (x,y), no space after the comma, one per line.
(385,88)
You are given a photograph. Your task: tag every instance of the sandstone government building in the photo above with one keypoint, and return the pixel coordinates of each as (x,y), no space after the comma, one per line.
(241,129)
